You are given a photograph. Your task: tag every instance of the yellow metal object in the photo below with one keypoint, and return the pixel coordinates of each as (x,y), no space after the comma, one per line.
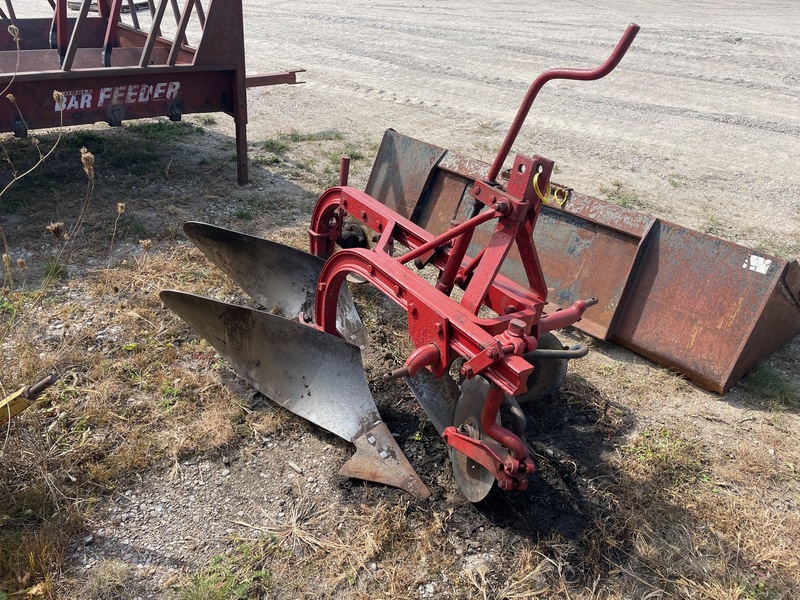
(14,404)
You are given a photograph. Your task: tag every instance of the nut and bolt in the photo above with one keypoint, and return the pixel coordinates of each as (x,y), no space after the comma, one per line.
(516,327)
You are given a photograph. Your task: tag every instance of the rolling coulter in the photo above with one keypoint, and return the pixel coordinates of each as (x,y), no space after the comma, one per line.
(481,340)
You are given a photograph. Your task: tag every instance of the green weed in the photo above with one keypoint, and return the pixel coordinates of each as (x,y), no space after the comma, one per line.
(54,270)
(162,130)
(207,120)
(275,145)
(238,577)
(766,383)
(620,194)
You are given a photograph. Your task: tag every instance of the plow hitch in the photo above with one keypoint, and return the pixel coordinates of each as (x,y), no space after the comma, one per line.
(481,339)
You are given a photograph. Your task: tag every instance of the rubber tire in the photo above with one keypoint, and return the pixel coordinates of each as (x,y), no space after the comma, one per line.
(548,374)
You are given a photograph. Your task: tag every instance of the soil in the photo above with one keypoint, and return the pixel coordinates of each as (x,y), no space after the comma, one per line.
(701,121)
(701,118)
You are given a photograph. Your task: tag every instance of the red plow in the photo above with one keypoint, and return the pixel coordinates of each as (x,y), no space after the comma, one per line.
(486,263)
(481,339)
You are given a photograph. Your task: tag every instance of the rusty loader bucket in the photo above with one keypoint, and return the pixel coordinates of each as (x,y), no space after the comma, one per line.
(705,307)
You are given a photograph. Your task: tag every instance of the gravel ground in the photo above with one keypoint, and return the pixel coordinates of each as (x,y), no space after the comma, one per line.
(701,119)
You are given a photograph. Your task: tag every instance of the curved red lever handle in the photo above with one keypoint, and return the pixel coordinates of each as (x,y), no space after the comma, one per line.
(580,74)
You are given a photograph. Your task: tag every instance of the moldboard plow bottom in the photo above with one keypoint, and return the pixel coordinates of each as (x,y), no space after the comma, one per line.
(481,339)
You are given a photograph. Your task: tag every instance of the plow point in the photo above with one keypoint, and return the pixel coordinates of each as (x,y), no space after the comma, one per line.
(378,458)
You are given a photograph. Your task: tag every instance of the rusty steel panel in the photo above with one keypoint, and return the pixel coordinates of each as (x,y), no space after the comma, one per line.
(441,204)
(582,259)
(588,248)
(120,96)
(402,171)
(699,304)
(703,306)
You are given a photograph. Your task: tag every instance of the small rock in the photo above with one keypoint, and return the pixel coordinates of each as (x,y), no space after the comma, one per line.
(226,472)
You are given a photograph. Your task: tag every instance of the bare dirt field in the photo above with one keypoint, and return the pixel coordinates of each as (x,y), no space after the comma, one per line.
(701,119)
(152,470)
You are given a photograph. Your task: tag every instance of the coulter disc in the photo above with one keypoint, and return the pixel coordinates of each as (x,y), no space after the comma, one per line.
(474,480)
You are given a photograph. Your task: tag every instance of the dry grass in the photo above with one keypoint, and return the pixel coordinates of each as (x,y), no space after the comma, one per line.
(130,393)
(665,509)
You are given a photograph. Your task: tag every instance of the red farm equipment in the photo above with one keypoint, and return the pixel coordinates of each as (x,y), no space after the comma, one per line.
(515,257)
(109,68)
(496,333)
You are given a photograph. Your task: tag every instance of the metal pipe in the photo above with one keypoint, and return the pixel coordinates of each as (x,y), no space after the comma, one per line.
(448,235)
(11,15)
(134,16)
(460,246)
(577,74)
(72,48)
(500,434)
(155,29)
(34,391)
(567,316)
(422,357)
(576,351)
(180,38)
(344,169)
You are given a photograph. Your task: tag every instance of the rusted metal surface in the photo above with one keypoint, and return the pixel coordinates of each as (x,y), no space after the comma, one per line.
(589,247)
(110,69)
(402,171)
(687,300)
(705,306)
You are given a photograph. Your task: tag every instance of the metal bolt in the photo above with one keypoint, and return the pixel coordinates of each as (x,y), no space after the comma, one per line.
(364,215)
(466,371)
(321,287)
(492,352)
(477,190)
(412,309)
(516,327)
(439,328)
